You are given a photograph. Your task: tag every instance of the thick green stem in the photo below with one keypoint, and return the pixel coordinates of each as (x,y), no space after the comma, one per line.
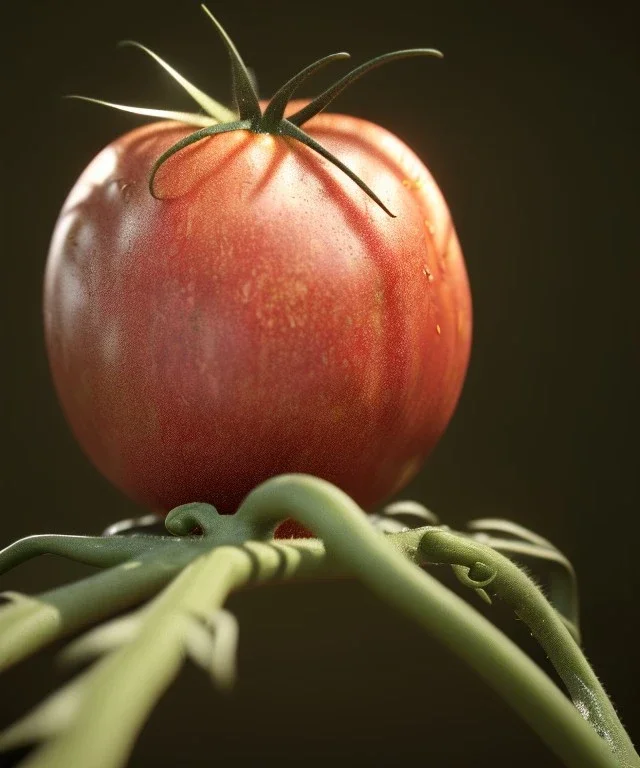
(335,517)
(511,584)
(106,706)
(113,700)
(100,551)
(130,679)
(145,564)
(31,623)
(563,587)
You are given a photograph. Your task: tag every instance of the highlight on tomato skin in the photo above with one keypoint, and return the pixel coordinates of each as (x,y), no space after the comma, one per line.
(258,314)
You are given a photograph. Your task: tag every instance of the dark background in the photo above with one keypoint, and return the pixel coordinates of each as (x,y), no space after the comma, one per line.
(530,126)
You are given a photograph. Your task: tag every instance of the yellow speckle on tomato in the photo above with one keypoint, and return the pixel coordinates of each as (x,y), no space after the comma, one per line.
(416,183)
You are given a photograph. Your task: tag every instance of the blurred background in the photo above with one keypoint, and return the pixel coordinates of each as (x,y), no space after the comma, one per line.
(530,125)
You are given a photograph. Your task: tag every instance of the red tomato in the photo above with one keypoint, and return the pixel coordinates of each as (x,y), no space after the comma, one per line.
(264,316)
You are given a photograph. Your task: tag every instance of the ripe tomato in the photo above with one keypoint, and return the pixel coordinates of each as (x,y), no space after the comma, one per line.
(263,316)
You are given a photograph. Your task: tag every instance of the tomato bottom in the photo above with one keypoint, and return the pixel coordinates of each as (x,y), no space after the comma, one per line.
(289,529)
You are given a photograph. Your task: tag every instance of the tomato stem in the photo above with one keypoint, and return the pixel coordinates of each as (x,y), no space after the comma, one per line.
(126,683)
(335,518)
(483,567)
(563,587)
(236,550)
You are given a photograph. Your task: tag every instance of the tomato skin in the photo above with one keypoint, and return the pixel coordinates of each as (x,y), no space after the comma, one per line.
(264,316)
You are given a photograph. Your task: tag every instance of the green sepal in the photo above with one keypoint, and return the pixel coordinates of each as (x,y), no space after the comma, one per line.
(213,130)
(248,106)
(325,98)
(218,112)
(291,130)
(244,93)
(188,118)
(274,112)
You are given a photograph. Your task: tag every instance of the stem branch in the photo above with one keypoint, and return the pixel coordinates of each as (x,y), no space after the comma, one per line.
(348,536)
(513,586)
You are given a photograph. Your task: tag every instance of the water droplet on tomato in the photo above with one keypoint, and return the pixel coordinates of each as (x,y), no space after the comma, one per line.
(427,273)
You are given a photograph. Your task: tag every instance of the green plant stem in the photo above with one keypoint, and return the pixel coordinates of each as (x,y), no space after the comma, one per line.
(563,591)
(117,694)
(113,699)
(32,623)
(563,587)
(239,552)
(335,518)
(100,551)
(513,586)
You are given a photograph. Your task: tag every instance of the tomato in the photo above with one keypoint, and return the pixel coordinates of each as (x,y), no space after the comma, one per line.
(260,315)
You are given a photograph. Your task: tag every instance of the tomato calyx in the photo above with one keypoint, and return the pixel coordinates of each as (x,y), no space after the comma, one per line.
(249,116)
(272,120)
